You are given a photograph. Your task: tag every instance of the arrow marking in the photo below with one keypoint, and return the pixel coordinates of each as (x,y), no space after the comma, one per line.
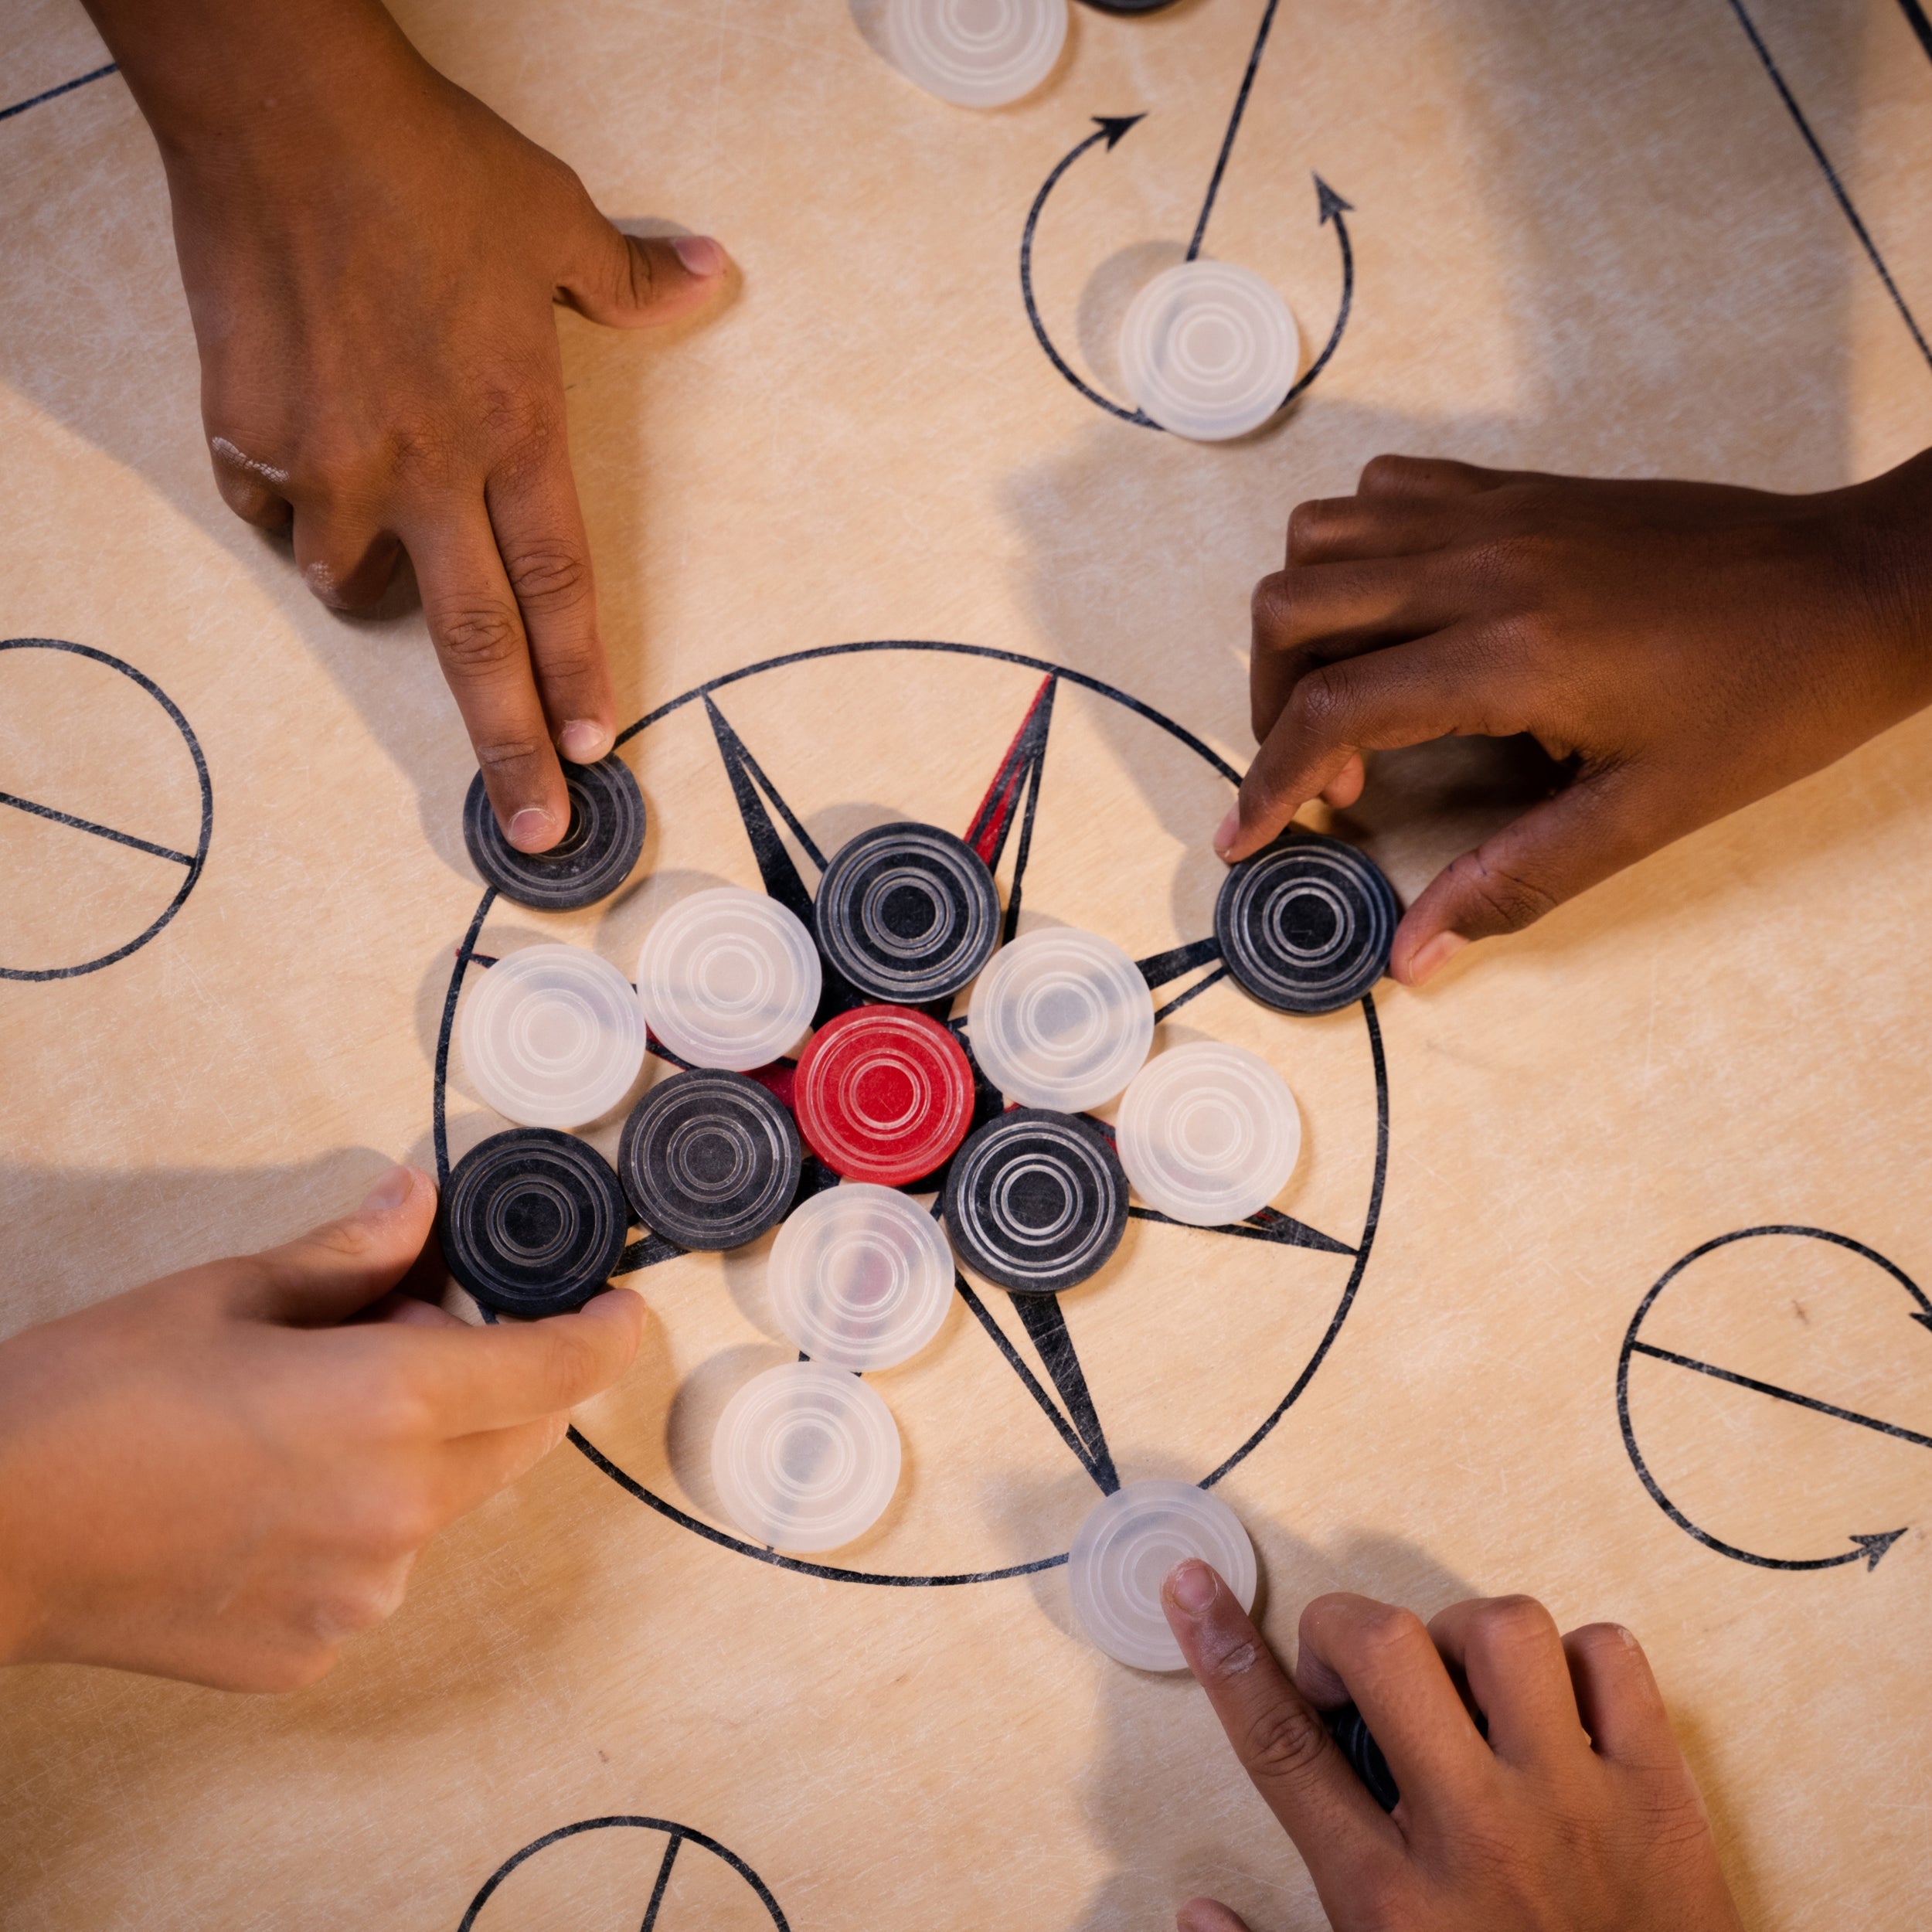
(1112,128)
(1784,1394)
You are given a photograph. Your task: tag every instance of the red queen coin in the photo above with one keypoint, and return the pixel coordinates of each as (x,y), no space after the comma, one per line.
(883,1093)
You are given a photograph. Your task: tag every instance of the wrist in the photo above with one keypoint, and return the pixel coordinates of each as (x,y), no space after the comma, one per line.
(227,86)
(1885,536)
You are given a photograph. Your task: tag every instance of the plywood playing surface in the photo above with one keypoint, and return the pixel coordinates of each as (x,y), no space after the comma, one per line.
(1685,238)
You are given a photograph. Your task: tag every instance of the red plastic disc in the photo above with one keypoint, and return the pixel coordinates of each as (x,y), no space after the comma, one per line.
(883,1093)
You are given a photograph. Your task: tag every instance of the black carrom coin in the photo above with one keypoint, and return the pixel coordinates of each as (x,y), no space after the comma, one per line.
(1035,1201)
(709,1159)
(907,913)
(533,1222)
(1305,924)
(593,859)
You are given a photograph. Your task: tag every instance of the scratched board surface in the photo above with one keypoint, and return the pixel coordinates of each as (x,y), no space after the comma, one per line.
(1604,1272)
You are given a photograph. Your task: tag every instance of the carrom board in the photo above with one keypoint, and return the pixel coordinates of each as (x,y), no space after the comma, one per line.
(1603,1274)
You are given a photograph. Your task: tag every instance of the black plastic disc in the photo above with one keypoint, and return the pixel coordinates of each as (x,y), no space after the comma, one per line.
(1035,1201)
(709,1159)
(907,913)
(591,860)
(533,1222)
(1349,1730)
(1305,925)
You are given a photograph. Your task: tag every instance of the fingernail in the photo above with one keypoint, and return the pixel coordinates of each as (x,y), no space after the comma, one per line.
(1230,826)
(530,829)
(1437,954)
(391,1190)
(1191,1587)
(584,741)
(699,253)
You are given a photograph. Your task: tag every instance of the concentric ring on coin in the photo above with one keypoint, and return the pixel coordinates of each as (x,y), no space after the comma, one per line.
(1123,1552)
(1209,350)
(1305,924)
(729,978)
(710,1160)
(860,1276)
(1035,1202)
(593,859)
(976,54)
(551,1036)
(884,1094)
(1061,1018)
(532,1221)
(805,1457)
(907,913)
(1208,1134)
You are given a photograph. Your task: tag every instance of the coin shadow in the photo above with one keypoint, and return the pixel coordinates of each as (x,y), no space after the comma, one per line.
(691,1420)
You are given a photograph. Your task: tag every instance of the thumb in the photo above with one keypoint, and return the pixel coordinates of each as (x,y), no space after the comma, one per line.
(1556,850)
(625,281)
(337,1270)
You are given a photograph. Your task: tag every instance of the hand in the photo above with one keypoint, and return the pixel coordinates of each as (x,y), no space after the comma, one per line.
(1688,648)
(371,257)
(222,1475)
(1576,1814)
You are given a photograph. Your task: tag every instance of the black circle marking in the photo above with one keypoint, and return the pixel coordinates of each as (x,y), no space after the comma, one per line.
(1305,924)
(1371,1218)
(677,1834)
(194,862)
(1036,1201)
(593,859)
(1866,1549)
(709,1159)
(533,1222)
(907,913)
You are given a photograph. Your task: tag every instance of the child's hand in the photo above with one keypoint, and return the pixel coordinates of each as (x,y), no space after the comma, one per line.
(371,257)
(222,1475)
(1575,1814)
(1689,648)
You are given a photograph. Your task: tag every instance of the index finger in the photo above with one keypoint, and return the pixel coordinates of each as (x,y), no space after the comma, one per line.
(496,1377)
(477,631)
(1280,1740)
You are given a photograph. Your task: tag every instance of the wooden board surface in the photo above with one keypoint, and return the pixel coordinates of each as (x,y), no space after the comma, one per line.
(1585,238)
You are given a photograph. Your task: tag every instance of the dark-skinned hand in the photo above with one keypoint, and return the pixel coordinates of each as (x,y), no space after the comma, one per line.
(1575,1813)
(1684,648)
(371,257)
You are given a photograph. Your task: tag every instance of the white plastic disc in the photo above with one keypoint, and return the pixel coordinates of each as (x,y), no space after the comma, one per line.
(1208,1134)
(552,1036)
(805,1457)
(1122,1556)
(976,54)
(860,1276)
(729,978)
(1061,1018)
(1209,350)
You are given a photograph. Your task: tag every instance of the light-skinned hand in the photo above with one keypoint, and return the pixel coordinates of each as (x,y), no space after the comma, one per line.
(224,1475)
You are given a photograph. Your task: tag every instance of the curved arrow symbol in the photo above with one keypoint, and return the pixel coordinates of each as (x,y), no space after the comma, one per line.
(1868,1549)
(1112,126)
(1330,206)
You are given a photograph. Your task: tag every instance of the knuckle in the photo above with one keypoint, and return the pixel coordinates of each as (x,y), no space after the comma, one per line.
(545,575)
(1512,900)
(507,758)
(479,638)
(1383,472)
(1284,1742)
(1322,705)
(1272,604)
(1387,1634)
